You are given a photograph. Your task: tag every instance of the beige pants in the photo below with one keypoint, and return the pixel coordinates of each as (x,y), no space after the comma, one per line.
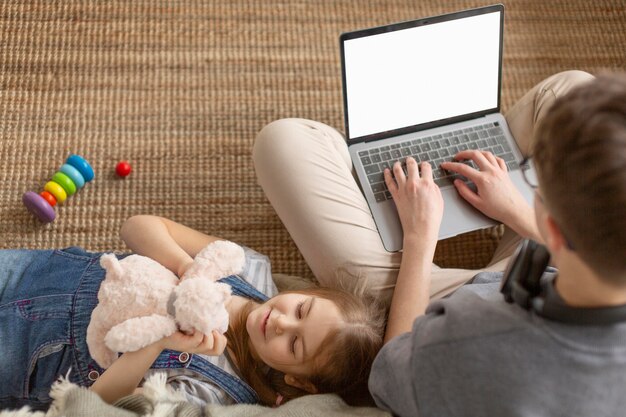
(306,172)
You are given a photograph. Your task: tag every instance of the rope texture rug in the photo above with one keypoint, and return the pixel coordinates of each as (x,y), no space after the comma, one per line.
(180,88)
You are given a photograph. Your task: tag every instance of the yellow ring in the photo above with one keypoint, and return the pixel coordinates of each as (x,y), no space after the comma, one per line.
(56,190)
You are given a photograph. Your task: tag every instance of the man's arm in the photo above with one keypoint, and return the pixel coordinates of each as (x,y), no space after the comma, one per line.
(420,208)
(171,244)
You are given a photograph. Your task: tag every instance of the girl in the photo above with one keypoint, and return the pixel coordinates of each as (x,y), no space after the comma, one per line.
(294,343)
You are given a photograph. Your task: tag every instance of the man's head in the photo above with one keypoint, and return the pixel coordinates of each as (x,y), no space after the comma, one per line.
(580,157)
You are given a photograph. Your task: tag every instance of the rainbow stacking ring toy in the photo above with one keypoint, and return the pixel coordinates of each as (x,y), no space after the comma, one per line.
(71,177)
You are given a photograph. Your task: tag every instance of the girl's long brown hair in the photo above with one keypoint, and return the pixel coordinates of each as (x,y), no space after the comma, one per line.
(349,351)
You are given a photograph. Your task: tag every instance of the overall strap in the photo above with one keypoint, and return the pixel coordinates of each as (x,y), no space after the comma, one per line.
(243,288)
(235,387)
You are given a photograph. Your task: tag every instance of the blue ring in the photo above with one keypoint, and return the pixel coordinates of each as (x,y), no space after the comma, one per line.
(82,166)
(74,174)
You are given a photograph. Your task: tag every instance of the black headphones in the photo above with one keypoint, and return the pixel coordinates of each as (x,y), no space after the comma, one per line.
(522,285)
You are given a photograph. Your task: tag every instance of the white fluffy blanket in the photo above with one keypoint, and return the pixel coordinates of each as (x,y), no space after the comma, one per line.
(157,400)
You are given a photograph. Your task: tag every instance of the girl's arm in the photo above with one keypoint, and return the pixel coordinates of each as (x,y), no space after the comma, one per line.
(169,243)
(125,374)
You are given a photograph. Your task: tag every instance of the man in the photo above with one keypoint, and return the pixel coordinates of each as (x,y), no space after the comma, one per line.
(475,354)
(305,170)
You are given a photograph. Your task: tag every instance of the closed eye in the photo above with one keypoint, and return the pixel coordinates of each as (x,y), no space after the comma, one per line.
(299,315)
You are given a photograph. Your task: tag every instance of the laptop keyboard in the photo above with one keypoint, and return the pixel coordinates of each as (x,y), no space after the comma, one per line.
(435,149)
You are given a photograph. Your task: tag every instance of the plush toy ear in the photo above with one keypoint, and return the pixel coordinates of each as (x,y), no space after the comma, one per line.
(112,265)
(228,257)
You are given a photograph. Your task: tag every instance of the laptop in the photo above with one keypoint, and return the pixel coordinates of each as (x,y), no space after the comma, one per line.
(427,88)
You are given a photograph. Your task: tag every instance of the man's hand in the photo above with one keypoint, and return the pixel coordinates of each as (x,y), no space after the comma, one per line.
(496,195)
(417,198)
(212,344)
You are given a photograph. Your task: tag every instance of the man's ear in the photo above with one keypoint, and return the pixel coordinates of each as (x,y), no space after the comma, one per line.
(302,383)
(555,241)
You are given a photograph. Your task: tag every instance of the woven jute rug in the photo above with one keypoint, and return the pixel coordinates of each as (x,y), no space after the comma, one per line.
(180,88)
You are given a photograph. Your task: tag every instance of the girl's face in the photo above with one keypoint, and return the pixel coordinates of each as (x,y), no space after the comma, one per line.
(287,330)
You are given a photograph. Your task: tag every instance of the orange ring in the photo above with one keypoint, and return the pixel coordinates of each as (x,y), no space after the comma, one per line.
(49,198)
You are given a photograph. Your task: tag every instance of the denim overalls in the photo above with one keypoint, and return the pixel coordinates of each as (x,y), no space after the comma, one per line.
(46,300)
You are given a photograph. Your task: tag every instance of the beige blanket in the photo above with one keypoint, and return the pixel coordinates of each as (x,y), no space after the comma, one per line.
(157,400)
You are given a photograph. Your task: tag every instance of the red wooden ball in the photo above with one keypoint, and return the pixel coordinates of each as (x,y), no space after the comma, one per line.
(123,169)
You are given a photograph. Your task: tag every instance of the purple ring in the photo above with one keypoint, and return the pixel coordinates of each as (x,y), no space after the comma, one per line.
(38,206)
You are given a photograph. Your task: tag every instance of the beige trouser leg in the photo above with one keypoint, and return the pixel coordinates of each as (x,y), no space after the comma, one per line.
(305,170)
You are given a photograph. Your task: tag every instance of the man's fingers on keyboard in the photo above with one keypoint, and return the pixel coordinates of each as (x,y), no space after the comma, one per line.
(496,161)
(462,169)
(502,164)
(490,157)
(474,155)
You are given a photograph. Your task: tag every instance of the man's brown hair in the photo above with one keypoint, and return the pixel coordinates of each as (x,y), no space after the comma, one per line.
(580,156)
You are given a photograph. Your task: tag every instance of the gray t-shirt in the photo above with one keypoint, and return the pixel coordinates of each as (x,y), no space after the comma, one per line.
(473,354)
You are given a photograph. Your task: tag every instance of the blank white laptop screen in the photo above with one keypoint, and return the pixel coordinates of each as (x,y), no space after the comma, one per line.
(422,74)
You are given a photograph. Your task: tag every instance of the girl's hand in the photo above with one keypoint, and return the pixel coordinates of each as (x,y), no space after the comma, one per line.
(212,344)
(496,195)
(418,199)
(182,268)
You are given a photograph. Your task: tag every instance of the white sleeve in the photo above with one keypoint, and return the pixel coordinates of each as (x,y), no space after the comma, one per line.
(258,272)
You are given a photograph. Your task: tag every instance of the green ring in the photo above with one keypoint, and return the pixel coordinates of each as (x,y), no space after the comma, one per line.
(65,182)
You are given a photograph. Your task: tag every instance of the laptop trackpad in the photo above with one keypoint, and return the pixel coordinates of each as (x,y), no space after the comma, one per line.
(459,216)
